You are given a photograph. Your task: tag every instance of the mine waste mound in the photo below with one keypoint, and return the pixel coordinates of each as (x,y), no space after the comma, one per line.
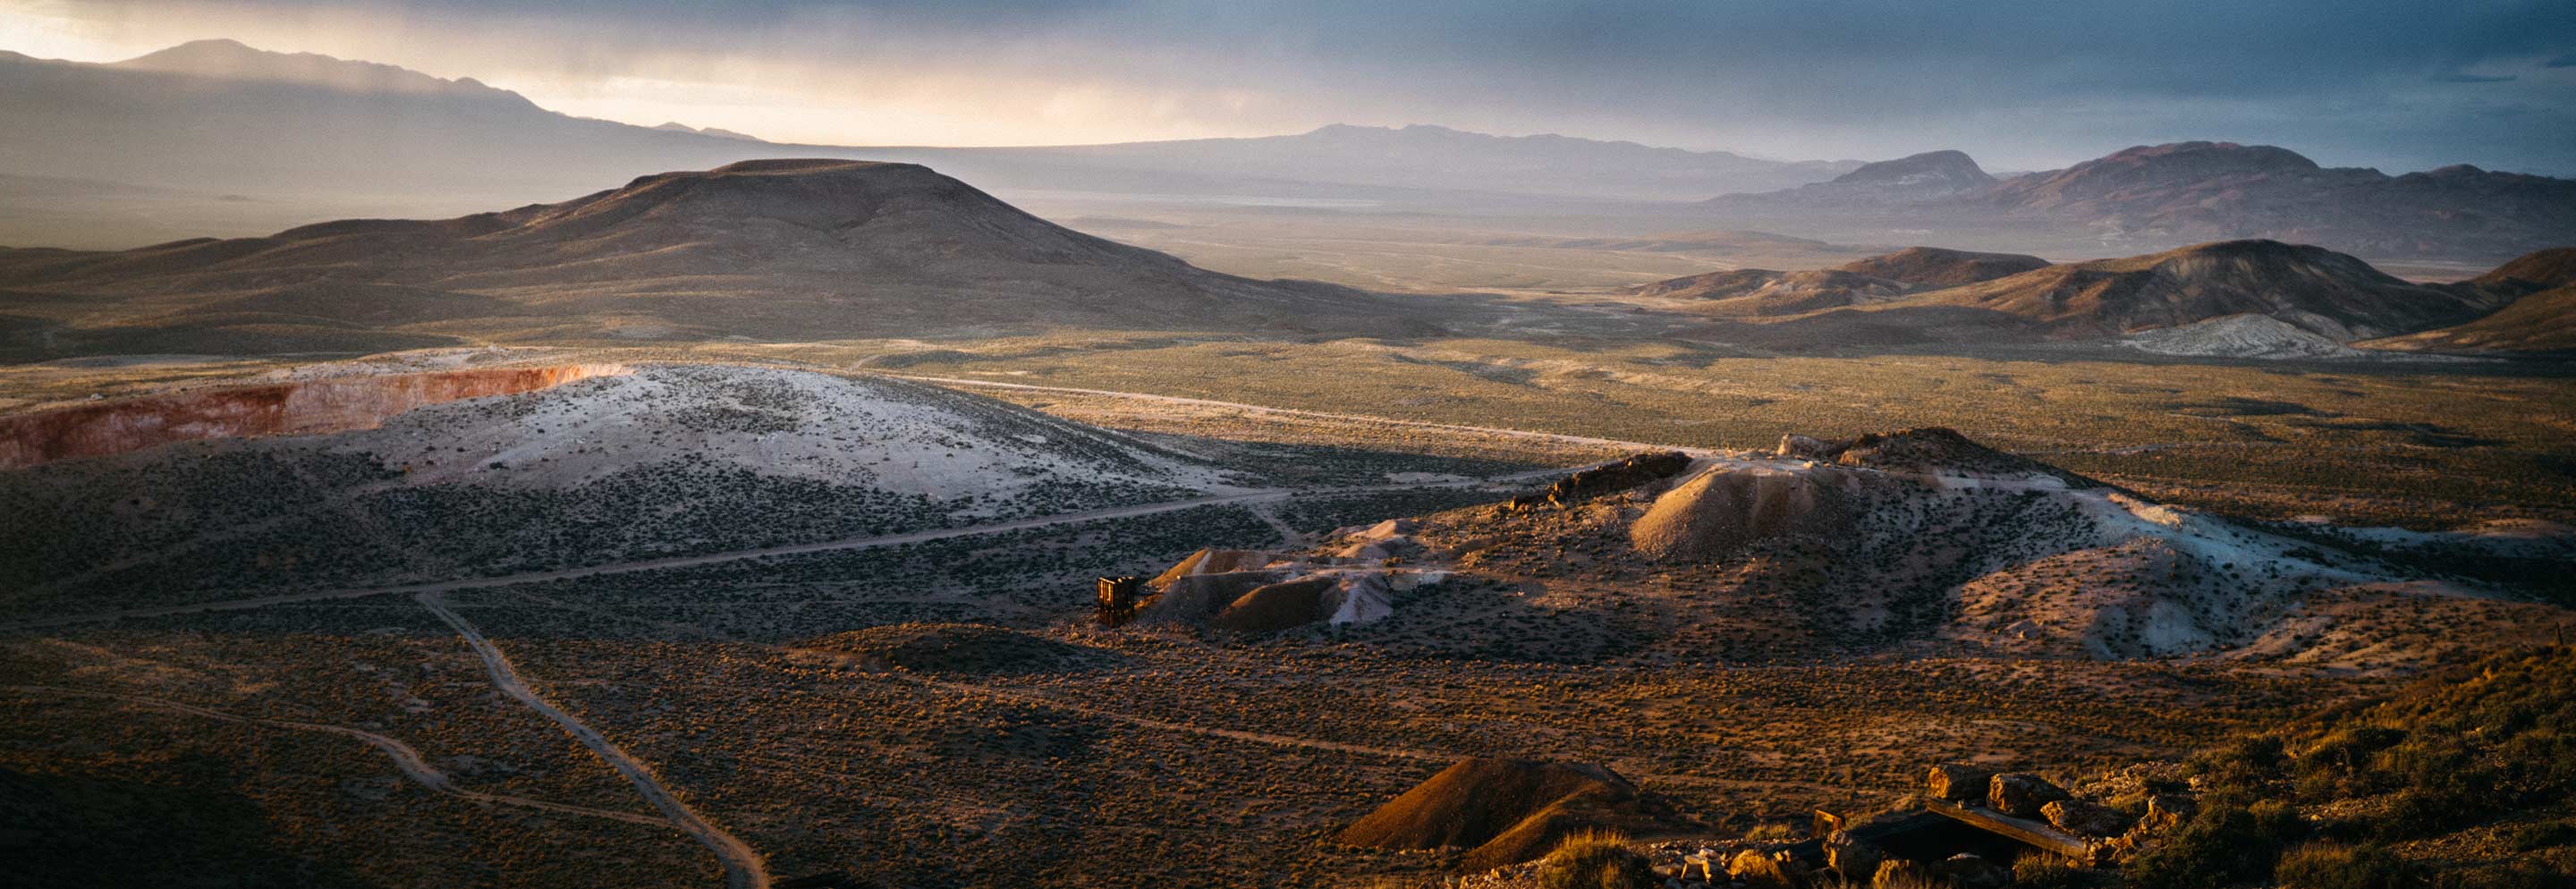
(1920,537)
(658,461)
(973,649)
(1506,811)
(1352,578)
(1723,510)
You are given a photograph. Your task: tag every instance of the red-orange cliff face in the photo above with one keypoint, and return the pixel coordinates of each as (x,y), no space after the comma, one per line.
(301,408)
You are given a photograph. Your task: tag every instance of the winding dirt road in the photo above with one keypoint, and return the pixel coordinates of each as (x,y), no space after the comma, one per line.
(743,867)
(406,759)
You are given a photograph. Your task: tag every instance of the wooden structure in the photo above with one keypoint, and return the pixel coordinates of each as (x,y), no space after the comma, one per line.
(1115,602)
(1941,830)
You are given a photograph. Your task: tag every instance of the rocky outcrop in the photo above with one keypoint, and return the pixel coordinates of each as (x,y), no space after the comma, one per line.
(2022,795)
(1633,472)
(1850,855)
(1958,783)
(2085,819)
(301,408)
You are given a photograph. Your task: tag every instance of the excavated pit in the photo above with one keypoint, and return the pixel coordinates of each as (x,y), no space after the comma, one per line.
(301,408)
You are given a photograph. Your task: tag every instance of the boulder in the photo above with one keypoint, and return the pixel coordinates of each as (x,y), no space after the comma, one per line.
(2085,819)
(1794,445)
(1971,872)
(1957,783)
(1851,856)
(2021,794)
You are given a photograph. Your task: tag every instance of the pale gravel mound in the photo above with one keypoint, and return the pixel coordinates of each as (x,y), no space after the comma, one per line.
(901,437)
(1924,532)
(1723,510)
(2243,336)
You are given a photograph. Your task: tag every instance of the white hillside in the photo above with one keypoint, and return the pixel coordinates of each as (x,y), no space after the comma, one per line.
(900,437)
(2242,336)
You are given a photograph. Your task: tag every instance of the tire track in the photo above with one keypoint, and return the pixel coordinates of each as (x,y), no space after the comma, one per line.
(405,757)
(743,866)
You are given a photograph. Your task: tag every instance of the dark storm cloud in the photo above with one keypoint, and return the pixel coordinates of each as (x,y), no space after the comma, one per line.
(2018,81)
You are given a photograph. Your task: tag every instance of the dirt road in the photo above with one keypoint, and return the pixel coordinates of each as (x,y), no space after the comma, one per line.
(406,759)
(743,867)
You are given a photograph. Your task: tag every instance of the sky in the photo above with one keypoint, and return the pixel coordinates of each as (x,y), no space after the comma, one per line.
(2395,84)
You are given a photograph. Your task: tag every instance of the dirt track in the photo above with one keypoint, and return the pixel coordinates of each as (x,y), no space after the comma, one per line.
(406,759)
(743,866)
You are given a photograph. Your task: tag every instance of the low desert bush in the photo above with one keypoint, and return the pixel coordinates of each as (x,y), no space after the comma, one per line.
(1594,860)
(2335,866)
(2042,871)
(2222,847)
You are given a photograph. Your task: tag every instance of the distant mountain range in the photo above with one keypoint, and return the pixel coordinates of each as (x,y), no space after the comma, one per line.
(218,114)
(2247,298)
(230,131)
(769,249)
(2198,191)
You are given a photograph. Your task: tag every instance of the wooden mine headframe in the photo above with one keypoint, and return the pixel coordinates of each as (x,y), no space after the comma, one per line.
(1116,602)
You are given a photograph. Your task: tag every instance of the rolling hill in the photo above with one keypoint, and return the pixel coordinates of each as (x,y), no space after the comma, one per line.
(2314,289)
(801,249)
(2241,299)
(1877,279)
(1913,179)
(2537,323)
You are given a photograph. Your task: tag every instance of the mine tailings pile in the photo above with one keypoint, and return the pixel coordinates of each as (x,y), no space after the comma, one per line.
(299,408)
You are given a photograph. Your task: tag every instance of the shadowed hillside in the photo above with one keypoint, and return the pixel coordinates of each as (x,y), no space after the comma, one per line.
(763,249)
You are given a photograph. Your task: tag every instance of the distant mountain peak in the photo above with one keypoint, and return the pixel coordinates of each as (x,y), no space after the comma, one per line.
(2203,159)
(1948,166)
(1453,135)
(228,59)
(673,126)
